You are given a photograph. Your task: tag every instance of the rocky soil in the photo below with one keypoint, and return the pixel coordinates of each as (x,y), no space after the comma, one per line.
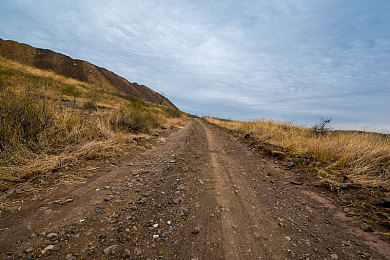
(201,194)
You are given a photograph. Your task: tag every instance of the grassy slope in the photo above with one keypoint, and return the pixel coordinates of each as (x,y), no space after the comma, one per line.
(362,158)
(49,122)
(77,69)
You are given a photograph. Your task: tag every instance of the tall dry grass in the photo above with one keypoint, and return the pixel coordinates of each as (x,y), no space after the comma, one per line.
(362,157)
(49,122)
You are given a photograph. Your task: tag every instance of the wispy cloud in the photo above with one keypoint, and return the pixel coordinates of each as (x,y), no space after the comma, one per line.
(291,60)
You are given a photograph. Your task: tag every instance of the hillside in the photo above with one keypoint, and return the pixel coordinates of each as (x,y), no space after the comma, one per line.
(78,69)
(49,122)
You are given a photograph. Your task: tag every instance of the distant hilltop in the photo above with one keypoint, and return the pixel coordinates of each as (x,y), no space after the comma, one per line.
(78,69)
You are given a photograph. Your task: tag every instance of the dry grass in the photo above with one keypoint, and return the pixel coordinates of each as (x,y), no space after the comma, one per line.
(362,157)
(49,122)
(15,66)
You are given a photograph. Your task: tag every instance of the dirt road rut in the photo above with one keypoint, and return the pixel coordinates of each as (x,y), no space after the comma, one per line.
(201,194)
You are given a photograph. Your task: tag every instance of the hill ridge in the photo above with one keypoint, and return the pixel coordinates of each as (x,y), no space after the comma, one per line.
(78,69)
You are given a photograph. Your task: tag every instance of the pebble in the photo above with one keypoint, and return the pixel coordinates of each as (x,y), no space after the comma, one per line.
(50,248)
(296,182)
(195,231)
(334,256)
(26,187)
(12,208)
(70,257)
(366,228)
(52,236)
(346,243)
(126,253)
(361,197)
(349,212)
(110,250)
(177,201)
(29,250)
(181,187)
(137,251)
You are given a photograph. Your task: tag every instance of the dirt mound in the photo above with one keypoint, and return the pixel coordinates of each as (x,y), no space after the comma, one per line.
(78,69)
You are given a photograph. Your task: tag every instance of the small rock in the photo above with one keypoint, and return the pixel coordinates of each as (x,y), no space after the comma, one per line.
(126,253)
(290,165)
(137,251)
(334,256)
(383,201)
(361,197)
(50,248)
(70,257)
(108,198)
(110,250)
(349,212)
(68,200)
(296,182)
(288,238)
(156,236)
(366,228)
(29,250)
(12,208)
(181,187)
(346,243)
(366,255)
(177,201)
(346,186)
(195,231)
(52,236)
(26,187)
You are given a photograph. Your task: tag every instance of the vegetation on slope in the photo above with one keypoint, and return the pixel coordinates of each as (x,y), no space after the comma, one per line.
(358,157)
(49,122)
(79,70)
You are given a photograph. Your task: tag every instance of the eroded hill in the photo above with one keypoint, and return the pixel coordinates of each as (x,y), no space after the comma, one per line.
(78,69)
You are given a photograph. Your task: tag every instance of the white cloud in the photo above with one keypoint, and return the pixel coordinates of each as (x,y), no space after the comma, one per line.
(284,59)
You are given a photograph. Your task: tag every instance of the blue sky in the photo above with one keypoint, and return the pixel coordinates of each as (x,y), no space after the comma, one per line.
(292,60)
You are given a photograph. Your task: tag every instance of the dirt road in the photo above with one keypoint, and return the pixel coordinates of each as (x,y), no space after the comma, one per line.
(201,194)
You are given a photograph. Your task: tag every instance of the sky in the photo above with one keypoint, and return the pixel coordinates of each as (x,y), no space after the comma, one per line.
(288,60)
